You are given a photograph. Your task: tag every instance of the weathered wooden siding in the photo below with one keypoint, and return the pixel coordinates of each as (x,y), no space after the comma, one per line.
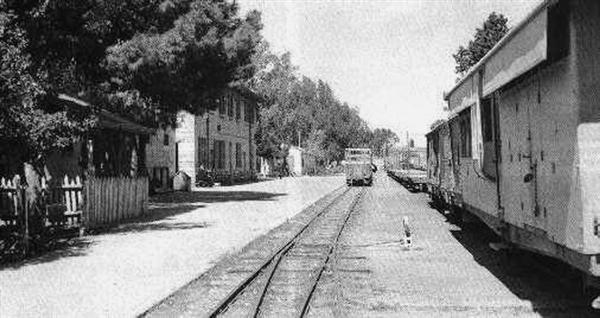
(445,152)
(112,200)
(538,120)
(586,48)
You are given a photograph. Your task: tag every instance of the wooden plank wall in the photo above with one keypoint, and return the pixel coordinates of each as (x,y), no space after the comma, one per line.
(93,203)
(114,199)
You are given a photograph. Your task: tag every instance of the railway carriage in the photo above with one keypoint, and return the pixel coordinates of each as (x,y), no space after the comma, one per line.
(358,166)
(440,164)
(521,147)
(399,166)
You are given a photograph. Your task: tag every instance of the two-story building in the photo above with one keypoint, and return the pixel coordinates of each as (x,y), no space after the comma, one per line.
(220,140)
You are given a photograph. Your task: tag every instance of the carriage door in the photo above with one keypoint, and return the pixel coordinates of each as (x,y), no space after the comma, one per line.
(531,156)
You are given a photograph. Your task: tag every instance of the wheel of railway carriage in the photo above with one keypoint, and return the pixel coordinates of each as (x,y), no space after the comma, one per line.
(587,288)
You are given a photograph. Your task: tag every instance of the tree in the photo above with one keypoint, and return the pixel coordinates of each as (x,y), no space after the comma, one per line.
(297,110)
(382,139)
(436,123)
(493,29)
(144,59)
(188,64)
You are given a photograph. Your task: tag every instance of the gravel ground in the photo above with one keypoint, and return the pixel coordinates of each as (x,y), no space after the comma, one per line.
(127,270)
(448,272)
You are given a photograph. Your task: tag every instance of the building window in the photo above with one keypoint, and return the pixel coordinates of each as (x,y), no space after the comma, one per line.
(219,154)
(222,106)
(238,155)
(166,139)
(230,108)
(465,133)
(238,110)
(203,152)
(248,112)
(250,160)
(244,160)
(160,177)
(230,156)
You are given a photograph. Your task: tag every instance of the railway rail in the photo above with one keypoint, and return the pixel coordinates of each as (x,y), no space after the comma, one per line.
(285,283)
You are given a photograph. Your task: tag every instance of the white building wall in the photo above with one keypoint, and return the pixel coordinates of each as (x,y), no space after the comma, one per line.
(186,144)
(160,154)
(220,127)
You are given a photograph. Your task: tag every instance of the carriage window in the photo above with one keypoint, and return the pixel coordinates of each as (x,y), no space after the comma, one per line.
(558,31)
(488,117)
(486,120)
(465,133)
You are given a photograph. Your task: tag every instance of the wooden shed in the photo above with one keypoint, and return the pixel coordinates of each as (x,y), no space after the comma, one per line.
(97,181)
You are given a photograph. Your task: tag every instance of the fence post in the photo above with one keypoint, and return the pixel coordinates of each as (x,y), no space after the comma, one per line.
(85,205)
(21,199)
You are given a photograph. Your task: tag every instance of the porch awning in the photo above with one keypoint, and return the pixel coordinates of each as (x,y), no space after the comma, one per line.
(109,120)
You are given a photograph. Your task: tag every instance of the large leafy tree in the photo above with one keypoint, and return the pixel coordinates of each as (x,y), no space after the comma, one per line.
(383,139)
(145,59)
(493,29)
(436,123)
(300,111)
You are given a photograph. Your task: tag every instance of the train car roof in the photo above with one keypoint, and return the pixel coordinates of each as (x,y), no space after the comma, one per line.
(515,30)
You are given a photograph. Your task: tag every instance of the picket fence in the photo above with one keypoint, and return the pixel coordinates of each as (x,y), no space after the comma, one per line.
(97,202)
(11,201)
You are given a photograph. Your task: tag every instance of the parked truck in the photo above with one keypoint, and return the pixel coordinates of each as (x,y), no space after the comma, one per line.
(358,166)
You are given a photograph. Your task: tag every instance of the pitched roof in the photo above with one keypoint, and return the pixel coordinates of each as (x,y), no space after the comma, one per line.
(106,119)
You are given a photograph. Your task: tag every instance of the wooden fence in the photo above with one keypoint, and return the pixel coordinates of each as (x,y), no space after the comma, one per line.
(11,200)
(64,202)
(96,202)
(113,199)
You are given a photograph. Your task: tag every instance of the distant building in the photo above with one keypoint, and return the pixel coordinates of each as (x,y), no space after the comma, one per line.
(221,140)
(403,157)
(298,160)
(160,156)
(301,162)
(417,157)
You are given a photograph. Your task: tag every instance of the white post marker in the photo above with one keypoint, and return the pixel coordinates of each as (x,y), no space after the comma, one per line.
(407,234)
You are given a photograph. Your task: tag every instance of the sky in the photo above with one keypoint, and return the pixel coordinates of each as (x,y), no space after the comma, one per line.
(392,59)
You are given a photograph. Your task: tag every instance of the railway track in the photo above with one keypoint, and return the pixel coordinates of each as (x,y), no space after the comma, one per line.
(285,283)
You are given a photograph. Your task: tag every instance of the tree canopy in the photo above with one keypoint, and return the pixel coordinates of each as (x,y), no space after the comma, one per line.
(436,123)
(298,110)
(383,139)
(148,59)
(493,29)
(144,59)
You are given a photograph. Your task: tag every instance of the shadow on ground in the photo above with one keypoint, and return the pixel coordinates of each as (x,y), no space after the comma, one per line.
(160,217)
(61,249)
(164,207)
(212,196)
(547,290)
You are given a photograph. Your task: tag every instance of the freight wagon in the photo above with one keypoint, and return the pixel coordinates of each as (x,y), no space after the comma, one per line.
(358,166)
(401,167)
(521,147)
